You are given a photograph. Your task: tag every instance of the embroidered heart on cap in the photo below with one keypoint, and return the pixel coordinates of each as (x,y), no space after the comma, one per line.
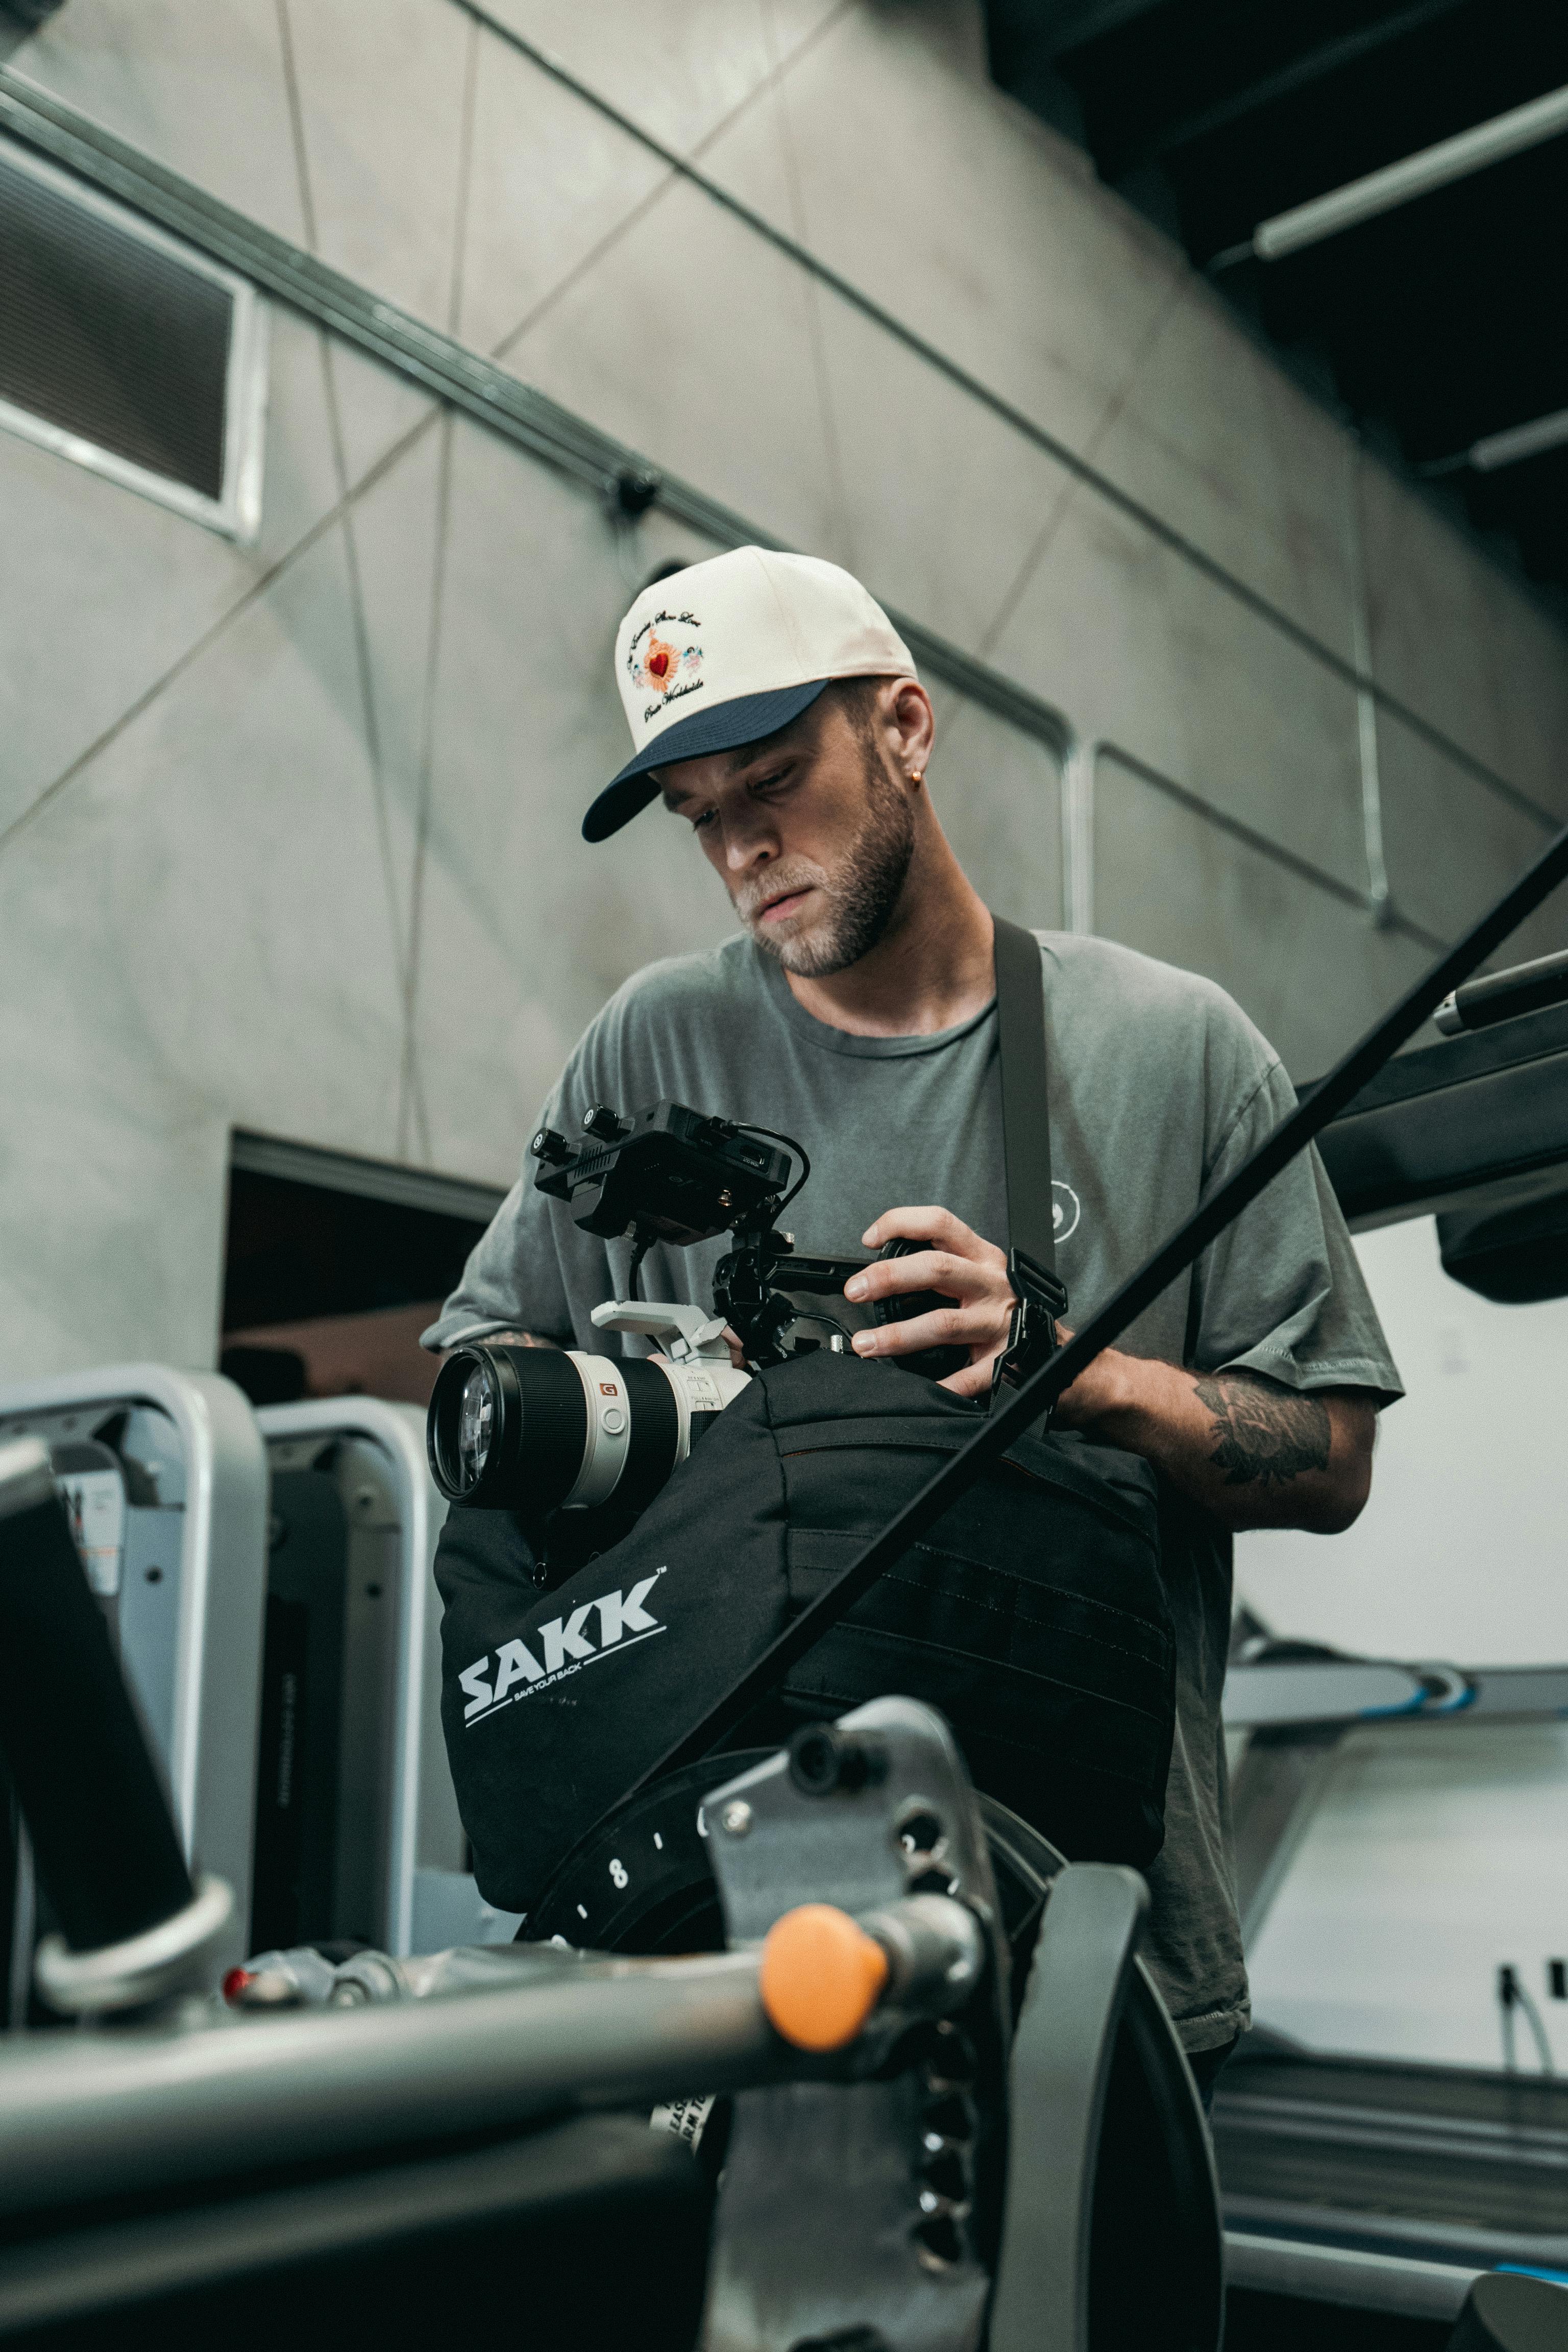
(665,658)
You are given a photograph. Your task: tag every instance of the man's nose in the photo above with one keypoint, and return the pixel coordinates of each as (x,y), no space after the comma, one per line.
(748,841)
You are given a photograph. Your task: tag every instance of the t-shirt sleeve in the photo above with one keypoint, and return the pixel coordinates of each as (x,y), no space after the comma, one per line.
(512,1280)
(1281,1291)
(532,1264)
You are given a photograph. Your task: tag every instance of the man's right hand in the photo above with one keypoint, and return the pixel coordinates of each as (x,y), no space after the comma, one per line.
(957,1264)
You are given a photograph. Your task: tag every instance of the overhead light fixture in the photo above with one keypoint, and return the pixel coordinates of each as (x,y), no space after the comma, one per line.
(1520,441)
(1398,183)
(1495,450)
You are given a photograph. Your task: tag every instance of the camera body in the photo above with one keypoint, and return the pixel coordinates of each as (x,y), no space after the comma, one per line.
(542,1429)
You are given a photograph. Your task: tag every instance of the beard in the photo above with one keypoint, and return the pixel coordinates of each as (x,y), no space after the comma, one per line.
(861,895)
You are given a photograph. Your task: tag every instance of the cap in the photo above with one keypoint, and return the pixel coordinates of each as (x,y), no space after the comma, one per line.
(731,650)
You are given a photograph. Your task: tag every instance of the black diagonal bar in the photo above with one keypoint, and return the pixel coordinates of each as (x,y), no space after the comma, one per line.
(1009,1420)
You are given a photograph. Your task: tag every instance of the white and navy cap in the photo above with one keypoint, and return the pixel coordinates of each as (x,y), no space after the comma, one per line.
(728,651)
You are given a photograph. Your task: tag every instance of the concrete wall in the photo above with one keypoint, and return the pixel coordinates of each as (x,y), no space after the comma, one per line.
(288,834)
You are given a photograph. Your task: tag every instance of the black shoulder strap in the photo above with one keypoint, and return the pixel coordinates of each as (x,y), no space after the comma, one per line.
(1025,1119)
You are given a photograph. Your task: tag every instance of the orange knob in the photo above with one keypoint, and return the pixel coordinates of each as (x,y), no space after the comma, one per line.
(820,1976)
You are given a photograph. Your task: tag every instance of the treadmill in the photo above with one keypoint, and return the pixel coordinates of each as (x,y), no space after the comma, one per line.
(1377,2183)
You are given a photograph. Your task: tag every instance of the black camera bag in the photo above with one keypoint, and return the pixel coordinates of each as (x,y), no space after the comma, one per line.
(1033,1616)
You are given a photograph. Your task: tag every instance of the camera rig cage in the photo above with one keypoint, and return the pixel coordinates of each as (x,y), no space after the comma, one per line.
(674,1175)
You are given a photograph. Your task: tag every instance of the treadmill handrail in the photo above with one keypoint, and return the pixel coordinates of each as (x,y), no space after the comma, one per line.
(223,1535)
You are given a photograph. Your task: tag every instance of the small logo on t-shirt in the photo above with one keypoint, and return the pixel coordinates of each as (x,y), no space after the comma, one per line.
(1066,1210)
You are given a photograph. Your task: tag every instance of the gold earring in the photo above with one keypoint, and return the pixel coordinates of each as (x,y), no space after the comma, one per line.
(917,775)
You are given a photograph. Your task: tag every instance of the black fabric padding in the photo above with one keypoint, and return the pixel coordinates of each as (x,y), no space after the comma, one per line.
(1516,1255)
(1470,1117)
(1034,1616)
(104,1844)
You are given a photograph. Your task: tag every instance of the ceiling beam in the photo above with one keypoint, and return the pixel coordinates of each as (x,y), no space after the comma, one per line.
(1055,26)
(1347,51)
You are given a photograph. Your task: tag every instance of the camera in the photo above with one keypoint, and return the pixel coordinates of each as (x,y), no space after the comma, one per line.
(544,1430)
(547,1429)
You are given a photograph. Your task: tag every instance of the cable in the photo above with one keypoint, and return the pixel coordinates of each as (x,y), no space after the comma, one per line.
(1511,1995)
(744,1127)
(642,1242)
(1537,2028)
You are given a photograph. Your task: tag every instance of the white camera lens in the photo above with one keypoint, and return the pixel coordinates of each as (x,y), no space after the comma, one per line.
(541,1429)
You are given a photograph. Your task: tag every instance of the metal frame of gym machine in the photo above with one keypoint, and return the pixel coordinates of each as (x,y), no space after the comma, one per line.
(426,1900)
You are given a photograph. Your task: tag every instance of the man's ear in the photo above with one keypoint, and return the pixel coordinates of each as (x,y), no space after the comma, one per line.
(911,723)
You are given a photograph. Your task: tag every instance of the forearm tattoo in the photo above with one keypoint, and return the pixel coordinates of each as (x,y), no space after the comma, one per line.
(1265,1432)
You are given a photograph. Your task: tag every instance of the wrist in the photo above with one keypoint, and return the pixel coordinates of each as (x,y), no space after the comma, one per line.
(1121,1383)
(1106,1397)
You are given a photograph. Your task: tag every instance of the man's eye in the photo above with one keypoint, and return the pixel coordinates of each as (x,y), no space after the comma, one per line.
(699,824)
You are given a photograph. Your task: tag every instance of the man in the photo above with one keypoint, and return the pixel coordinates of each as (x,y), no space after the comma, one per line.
(775,709)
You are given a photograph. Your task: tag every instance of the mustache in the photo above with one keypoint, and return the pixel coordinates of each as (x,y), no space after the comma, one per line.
(800,874)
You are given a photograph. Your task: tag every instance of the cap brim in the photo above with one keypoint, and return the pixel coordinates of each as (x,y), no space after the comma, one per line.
(723,727)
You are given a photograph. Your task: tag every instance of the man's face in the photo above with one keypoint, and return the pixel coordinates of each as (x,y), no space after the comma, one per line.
(811,830)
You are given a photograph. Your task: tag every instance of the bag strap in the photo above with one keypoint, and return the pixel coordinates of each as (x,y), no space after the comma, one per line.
(1040,1294)
(1025,1115)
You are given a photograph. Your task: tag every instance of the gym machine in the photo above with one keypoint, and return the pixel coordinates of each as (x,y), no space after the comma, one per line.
(165,1482)
(358,1836)
(266,1582)
(944,2077)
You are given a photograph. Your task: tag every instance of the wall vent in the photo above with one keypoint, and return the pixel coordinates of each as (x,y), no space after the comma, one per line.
(125,352)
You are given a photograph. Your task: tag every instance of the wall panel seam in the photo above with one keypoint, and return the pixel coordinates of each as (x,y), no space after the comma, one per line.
(208,636)
(466,380)
(1301,868)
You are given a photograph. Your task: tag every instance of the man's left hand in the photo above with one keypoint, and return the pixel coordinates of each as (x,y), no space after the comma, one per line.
(958,1265)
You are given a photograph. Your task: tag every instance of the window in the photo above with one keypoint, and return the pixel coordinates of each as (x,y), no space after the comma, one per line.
(125,352)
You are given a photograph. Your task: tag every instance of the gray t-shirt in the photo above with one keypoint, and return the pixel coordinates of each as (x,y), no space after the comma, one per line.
(1159,1087)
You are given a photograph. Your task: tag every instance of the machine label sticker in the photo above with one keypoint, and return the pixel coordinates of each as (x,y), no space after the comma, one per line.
(666,664)
(625,1620)
(95,1504)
